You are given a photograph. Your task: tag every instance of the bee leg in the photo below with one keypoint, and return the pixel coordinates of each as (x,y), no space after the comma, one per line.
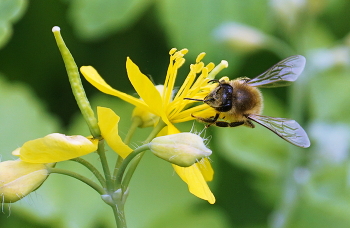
(236,124)
(207,120)
(249,123)
(227,124)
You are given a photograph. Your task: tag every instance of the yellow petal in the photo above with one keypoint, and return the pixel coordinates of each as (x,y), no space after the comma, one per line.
(144,87)
(108,122)
(171,128)
(16,152)
(56,147)
(206,169)
(196,183)
(93,77)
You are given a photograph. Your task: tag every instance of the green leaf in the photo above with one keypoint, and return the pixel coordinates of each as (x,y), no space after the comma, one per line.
(98,19)
(22,118)
(10,12)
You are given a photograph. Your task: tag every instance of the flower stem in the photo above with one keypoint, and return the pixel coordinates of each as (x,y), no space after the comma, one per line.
(136,121)
(92,169)
(105,167)
(117,204)
(136,161)
(77,176)
(77,87)
(119,215)
(127,160)
(118,208)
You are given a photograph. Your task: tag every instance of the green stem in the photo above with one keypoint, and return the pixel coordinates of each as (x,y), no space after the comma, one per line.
(77,176)
(155,131)
(117,205)
(136,161)
(119,214)
(92,169)
(118,163)
(136,122)
(105,167)
(127,160)
(77,87)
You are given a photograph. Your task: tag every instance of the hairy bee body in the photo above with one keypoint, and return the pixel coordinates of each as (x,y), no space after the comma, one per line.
(239,102)
(234,100)
(245,100)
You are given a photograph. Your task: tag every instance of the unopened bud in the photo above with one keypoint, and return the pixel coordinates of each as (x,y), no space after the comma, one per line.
(147,118)
(182,149)
(19,178)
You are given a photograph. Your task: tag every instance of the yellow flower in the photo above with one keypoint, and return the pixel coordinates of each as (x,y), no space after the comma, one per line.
(169,107)
(171,110)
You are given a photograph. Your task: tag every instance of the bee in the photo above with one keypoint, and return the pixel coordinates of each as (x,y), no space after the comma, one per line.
(239,102)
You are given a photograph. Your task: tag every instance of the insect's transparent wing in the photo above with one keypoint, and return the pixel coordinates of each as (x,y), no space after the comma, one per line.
(282,73)
(287,129)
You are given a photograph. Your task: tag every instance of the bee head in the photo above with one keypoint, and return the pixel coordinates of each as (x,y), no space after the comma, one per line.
(220,98)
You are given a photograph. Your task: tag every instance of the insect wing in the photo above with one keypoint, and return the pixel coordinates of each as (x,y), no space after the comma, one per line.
(282,73)
(287,129)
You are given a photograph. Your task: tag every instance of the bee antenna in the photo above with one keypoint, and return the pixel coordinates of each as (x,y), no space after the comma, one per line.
(210,99)
(192,99)
(214,80)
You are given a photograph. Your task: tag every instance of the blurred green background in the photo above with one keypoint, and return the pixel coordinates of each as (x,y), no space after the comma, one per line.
(260,180)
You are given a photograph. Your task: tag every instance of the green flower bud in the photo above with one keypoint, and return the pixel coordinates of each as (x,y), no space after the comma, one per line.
(182,149)
(19,178)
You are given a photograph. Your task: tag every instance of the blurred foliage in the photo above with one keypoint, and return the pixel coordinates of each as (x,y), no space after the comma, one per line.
(260,180)
(10,12)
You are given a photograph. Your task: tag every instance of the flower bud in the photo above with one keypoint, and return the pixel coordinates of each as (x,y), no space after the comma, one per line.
(182,149)
(148,119)
(19,178)
(240,37)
